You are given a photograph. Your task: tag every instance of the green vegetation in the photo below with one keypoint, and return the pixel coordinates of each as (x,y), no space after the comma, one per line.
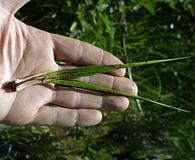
(133,31)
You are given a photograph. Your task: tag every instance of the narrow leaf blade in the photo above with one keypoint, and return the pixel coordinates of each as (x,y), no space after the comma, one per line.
(92,87)
(71,74)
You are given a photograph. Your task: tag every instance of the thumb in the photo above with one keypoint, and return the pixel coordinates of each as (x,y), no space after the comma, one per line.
(12,6)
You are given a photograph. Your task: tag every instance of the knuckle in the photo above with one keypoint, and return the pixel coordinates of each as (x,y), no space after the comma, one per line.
(55,116)
(77,118)
(80,50)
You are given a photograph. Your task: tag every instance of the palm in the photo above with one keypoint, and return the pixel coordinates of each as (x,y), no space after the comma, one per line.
(23,106)
(26,51)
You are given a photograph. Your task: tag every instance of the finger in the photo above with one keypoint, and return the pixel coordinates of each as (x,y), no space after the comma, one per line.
(73,98)
(57,116)
(79,52)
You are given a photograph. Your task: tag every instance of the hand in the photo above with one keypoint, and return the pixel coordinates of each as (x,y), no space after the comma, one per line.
(25,51)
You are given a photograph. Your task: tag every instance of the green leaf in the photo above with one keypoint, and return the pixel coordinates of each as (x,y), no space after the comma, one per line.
(149,5)
(92,87)
(73,26)
(91,70)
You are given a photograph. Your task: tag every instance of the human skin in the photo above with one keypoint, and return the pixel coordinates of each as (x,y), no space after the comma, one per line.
(25,50)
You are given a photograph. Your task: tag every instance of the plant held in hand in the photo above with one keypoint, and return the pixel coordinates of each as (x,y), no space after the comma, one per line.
(68,78)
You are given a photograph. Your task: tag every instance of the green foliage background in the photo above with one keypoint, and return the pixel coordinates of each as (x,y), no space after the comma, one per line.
(144,30)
